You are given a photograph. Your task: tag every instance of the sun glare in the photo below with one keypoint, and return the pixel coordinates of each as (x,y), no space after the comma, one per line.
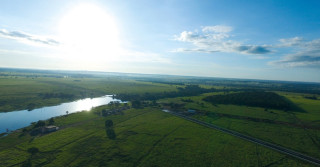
(89,33)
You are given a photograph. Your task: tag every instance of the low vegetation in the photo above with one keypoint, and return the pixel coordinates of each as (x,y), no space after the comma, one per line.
(144,137)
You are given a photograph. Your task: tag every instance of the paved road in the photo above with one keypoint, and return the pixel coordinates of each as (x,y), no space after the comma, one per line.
(254,140)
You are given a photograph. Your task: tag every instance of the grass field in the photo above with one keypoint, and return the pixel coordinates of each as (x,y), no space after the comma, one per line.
(144,137)
(295,130)
(311,106)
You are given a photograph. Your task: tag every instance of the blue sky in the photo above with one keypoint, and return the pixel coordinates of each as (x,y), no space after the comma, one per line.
(265,39)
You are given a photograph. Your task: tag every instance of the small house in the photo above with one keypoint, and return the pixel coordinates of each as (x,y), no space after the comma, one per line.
(48,129)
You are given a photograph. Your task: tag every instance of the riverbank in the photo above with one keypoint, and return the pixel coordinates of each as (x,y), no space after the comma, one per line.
(19,119)
(21,91)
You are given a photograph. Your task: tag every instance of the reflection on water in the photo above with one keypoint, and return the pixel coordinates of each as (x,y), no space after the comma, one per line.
(18,119)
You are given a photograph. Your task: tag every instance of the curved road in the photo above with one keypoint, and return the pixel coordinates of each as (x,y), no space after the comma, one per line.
(281,149)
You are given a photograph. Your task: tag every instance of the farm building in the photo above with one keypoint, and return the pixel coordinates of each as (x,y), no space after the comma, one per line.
(48,129)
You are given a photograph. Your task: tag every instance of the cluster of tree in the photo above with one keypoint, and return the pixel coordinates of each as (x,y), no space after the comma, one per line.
(244,84)
(255,99)
(176,105)
(38,125)
(189,90)
(114,104)
(109,130)
(56,95)
(311,97)
(41,123)
(27,163)
(31,106)
(36,130)
(136,104)
(104,112)
(169,83)
(33,151)
(187,100)
(141,104)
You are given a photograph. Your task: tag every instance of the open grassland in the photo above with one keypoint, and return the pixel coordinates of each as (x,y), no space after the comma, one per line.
(18,93)
(144,137)
(299,131)
(312,106)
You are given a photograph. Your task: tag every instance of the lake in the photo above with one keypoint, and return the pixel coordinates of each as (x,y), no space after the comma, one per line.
(18,119)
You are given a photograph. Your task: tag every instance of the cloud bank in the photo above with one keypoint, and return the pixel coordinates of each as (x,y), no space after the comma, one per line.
(211,39)
(21,36)
(216,39)
(306,53)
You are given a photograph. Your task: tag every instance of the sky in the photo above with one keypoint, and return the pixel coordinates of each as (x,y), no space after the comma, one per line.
(265,39)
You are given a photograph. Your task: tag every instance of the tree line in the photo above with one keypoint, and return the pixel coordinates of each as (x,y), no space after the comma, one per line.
(254,99)
(56,95)
(189,90)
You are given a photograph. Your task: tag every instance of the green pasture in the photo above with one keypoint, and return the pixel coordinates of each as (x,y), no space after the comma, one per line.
(296,130)
(311,106)
(144,137)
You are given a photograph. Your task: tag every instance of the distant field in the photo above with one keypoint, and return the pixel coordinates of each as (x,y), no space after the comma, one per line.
(144,137)
(296,130)
(22,92)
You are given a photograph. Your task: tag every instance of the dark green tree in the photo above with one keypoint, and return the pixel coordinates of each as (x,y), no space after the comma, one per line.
(40,123)
(117,104)
(108,123)
(33,150)
(111,134)
(27,163)
(136,104)
(51,121)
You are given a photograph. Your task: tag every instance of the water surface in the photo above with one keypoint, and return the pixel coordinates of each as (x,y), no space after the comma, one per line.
(19,119)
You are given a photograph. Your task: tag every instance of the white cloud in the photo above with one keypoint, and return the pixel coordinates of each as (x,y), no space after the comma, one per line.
(194,50)
(215,39)
(307,53)
(217,29)
(290,42)
(188,36)
(24,37)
